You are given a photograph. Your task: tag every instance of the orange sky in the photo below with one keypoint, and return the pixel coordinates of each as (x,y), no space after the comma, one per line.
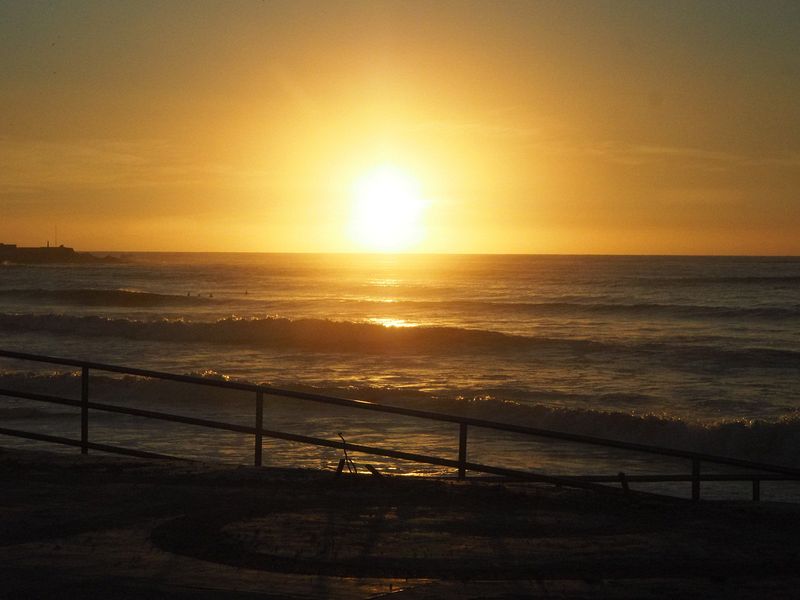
(563,127)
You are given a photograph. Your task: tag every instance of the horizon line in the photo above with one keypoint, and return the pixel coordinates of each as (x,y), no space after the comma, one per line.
(410,254)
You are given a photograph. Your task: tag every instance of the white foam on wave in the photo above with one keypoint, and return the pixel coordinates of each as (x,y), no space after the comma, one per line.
(773,441)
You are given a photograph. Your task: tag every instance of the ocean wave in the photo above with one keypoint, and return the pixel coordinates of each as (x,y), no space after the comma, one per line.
(329,336)
(317,334)
(668,310)
(546,307)
(101,297)
(772,441)
(579,309)
(788,280)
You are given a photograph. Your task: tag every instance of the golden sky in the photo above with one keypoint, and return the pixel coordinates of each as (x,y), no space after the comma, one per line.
(545,127)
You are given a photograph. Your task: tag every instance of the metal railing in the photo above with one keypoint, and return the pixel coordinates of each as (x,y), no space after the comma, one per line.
(763,472)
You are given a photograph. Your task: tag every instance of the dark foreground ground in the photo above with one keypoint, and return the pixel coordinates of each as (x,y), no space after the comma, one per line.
(105,527)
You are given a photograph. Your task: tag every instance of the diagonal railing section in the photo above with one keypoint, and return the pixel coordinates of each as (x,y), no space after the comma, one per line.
(762,471)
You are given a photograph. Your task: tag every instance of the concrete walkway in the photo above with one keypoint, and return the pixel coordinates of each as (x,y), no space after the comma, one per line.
(105,527)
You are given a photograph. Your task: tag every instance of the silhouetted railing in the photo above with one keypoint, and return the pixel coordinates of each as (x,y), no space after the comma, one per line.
(764,472)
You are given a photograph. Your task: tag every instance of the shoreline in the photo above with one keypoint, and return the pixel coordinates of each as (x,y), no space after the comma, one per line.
(98,525)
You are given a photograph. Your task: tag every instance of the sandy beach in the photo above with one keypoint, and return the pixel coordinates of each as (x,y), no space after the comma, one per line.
(98,526)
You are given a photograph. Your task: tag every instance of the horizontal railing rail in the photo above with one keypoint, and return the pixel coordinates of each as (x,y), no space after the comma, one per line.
(55,439)
(462,465)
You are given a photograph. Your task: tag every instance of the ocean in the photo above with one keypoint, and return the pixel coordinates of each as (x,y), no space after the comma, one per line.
(700,353)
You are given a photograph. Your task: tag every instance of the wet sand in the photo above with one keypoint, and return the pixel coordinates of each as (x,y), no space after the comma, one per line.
(97,526)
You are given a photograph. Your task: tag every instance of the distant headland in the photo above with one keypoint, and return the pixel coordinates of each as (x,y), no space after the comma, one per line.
(11,253)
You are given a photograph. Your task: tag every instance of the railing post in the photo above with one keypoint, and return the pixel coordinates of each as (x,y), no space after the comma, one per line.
(695,479)
(84,410)
(259,425)
(462,450)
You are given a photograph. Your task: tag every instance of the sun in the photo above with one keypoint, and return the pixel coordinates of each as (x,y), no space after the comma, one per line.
(387,210)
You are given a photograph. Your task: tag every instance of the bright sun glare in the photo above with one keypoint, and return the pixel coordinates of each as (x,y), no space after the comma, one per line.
(388,209)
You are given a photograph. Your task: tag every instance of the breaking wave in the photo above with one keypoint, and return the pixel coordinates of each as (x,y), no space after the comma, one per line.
(773,441)
(322,335)
(316,334)
(776,441)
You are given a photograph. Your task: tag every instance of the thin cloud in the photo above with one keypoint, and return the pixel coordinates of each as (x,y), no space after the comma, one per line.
(643,154)
(543,139)
(33,166)
(478,129)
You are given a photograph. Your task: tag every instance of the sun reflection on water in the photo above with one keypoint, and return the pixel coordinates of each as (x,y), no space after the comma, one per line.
(385,282)
(389,322)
